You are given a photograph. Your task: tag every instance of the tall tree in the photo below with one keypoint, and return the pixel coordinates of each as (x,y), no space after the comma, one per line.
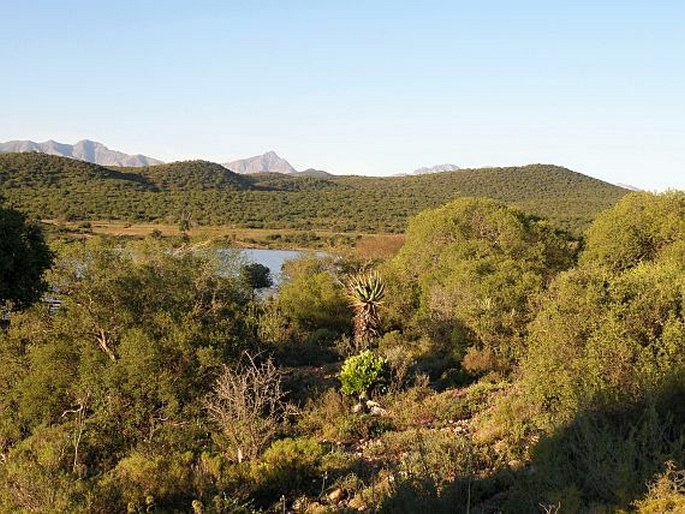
(24,258)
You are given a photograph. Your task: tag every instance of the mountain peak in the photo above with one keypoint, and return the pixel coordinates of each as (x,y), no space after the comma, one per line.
(438,168)
(268,162)
(84,150)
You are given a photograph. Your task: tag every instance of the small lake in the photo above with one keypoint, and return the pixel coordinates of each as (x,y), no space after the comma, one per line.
(272,259)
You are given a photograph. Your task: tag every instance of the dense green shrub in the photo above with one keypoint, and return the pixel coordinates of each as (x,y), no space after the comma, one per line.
(364,374)
(642,227)
(467,273)
(604,376)
(290,466)
(605,340)
(312,296)
(122,366)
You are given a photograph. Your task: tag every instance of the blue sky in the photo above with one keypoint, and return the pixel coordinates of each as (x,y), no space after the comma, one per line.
(368,87)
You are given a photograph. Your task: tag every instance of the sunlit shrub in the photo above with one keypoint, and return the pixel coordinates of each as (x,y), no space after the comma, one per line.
(666,492)
(363,374)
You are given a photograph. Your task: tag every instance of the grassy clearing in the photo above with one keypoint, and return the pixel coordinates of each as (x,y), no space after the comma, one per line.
(365,245)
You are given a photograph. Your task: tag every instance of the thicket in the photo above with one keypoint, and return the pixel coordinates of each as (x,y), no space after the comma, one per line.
(515,369)
(50,187)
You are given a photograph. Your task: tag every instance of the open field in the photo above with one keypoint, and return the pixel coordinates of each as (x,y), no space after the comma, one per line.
(363,244)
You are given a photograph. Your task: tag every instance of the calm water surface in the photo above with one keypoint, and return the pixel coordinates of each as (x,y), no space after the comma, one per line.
(272,259)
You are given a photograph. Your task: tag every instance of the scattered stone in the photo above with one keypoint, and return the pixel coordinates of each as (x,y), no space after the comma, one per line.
(336,495)
(378,411)
(375,408)
(357,408)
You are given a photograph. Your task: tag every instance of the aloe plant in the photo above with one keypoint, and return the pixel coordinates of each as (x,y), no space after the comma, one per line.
(366,292)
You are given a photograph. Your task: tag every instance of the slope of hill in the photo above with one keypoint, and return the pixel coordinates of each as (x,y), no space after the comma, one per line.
(86,150)
(567,197)
(268,162)
(193,176)
(24,171)
(54,187)
(292,182)
(312,172)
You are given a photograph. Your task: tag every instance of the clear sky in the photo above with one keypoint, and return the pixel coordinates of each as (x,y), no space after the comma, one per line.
(357,86)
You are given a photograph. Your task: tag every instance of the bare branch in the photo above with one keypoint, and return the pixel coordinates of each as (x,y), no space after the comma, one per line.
(249,406)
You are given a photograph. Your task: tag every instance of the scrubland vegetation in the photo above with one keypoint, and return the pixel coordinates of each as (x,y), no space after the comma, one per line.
(50,187)
(496,364)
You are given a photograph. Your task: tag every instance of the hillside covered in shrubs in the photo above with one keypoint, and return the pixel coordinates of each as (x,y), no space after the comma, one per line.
(51,187)
(495,364)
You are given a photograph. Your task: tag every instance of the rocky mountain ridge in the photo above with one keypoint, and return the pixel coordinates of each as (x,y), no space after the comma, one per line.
(84,150)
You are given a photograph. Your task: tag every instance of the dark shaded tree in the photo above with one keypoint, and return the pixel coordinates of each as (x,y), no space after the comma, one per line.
(24,258)
(256,275)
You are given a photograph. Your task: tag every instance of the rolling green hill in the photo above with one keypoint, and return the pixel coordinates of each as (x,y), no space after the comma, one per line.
(191,176)
(47,186)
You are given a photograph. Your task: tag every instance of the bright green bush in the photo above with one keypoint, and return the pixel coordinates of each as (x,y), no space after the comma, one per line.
(364,373)
(603,340)
(642,227)
(37,475)
(140,479)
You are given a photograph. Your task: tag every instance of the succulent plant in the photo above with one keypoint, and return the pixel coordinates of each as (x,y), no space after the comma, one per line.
(366,292)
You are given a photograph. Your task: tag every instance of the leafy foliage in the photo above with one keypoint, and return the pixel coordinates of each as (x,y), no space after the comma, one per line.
(556,386)
(312,296)
(256,275)
(468,272)
(641,227)
(363,373)
(122,365)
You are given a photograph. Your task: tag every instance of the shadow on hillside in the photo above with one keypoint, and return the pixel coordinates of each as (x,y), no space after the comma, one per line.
(601,459)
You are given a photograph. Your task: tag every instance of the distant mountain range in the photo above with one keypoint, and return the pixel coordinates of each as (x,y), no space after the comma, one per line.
(270,162)
(86,150)
(97,153)
(435,169)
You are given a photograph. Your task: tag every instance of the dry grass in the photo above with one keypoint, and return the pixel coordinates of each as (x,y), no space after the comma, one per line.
(368,246)
(379,246)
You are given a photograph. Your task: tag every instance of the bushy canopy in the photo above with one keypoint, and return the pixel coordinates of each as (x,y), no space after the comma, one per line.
(612,331)
(121,367)
(469,270)
(641,227)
